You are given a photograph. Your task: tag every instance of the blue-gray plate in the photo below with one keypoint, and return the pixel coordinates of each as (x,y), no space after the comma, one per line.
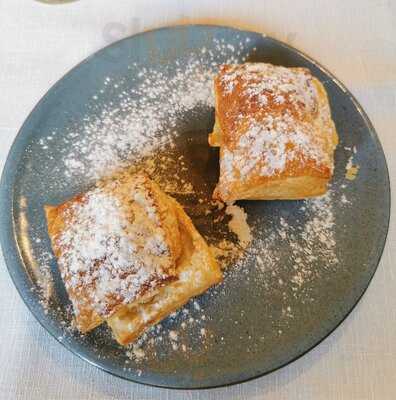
(310,262)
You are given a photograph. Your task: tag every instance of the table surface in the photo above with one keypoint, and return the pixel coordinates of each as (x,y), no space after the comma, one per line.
(356,40)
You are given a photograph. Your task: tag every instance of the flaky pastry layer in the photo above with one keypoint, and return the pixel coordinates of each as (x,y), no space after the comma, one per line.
(274,129)
(197,270)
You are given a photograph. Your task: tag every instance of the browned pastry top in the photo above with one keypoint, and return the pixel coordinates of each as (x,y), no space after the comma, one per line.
(272,123)
(115,243)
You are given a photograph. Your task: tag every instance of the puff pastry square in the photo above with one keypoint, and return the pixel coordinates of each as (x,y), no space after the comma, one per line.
(128,255)
(275,132)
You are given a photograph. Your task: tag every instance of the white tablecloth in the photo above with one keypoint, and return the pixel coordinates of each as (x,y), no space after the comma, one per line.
(354,39)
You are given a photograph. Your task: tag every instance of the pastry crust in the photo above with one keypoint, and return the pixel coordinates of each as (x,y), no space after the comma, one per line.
(274,129)
(197,270)
(121,245)
(85,316)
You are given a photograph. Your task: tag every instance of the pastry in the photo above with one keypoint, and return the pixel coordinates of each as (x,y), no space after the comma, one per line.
(128,255)
(274,129)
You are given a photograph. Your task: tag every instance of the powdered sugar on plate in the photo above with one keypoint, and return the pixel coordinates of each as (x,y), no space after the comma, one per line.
(308,247)
(138,122)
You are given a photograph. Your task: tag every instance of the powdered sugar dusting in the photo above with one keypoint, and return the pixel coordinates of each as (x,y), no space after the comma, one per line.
(271,141)
(279,83)
(114,245)
(141,123)
(317,247)
(267,142)
(309,246)
(142,120)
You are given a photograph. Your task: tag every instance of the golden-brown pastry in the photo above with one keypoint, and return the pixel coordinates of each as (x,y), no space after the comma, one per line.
(126,246)
(196,271)
(274,129)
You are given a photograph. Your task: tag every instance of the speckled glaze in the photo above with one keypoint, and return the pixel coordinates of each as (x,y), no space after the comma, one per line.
(360,229)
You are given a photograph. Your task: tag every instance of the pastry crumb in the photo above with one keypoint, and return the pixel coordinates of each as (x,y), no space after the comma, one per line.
(238,224)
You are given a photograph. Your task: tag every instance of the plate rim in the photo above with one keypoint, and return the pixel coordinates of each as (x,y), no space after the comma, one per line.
(8,241)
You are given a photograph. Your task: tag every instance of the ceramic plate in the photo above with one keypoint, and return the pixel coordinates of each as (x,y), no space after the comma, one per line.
(151,95)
